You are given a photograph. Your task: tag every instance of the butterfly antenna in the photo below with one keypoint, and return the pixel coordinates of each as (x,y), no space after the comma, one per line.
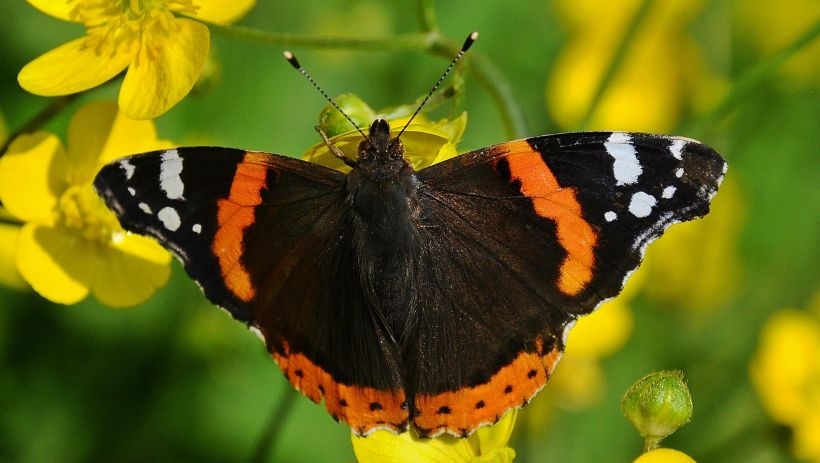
(467,43)
(295,63)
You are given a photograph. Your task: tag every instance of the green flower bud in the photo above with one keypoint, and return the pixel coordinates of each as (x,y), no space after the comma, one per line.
(658,404)
(334,123)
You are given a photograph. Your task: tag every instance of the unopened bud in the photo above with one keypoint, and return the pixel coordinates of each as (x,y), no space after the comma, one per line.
(658,404)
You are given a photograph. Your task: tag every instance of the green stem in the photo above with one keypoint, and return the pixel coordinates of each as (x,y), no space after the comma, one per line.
(8,219)
(615,63)
(264,447)
(501,92)
(430,41)
(39,119)
(411,41)
(651,443)
(750,81)
(427,15)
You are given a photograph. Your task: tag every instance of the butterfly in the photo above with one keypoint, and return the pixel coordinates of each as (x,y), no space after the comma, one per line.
(439,298)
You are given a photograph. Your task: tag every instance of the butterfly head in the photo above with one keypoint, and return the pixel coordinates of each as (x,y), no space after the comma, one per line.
(379,153)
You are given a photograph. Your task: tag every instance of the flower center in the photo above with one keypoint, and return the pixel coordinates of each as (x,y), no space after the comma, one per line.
(79,208)
(114,25)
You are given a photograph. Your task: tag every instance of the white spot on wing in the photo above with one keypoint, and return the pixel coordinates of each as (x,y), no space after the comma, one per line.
(257,332)
(679,172)
(144,208)
(668,192)
(197,228)
(567,329)
(609,216)
(132,191)
(626,167)
(641,204)
(676,148)
(169,175)
(128,168)
(169,218)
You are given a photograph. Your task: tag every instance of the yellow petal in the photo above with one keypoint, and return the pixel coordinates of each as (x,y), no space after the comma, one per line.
(9,275)
(487,445)
(164,70)
(495,437)
(59,10)
(664,456)
(807,437)
(220,11)
(384,446)
(786,364)
(73,67)
(98,133)
(130,271)
(56,262)
(88,133)
(130,136)
(423,145)
(32,176)
(603,332)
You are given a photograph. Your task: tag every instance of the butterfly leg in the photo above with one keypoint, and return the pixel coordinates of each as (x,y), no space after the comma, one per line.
(335,149)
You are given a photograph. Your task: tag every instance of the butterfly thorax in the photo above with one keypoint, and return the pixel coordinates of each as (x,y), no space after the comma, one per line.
(383,192)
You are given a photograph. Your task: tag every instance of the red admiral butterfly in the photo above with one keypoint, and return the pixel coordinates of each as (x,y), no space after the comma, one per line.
(439,298)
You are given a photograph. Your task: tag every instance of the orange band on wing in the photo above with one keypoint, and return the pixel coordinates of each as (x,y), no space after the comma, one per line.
(554,202)
(364,409)
(461,412)
(234,215)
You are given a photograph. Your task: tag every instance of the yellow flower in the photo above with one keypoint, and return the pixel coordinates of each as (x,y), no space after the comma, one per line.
(661,73)
(785,371)
(664,456)
(71,244)
(425,142)
(164,52)
(486,445)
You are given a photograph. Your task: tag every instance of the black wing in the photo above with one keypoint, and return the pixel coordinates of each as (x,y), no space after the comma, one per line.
(523,237)
(264,236)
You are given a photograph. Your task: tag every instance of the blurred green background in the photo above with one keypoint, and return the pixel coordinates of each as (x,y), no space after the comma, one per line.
(177,380)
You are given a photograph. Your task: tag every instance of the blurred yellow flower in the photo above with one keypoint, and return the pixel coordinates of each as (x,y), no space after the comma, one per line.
(662,71)
(664,456)
(163,51)
(771,29)
(785,371)
(486,445)
(697,265)
(70,243)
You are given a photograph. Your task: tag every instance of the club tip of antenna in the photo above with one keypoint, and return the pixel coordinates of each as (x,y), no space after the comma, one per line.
(291,59)
(469,41)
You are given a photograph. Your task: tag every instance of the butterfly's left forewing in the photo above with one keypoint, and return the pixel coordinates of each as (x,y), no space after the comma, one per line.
(522,238)
(200,201)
